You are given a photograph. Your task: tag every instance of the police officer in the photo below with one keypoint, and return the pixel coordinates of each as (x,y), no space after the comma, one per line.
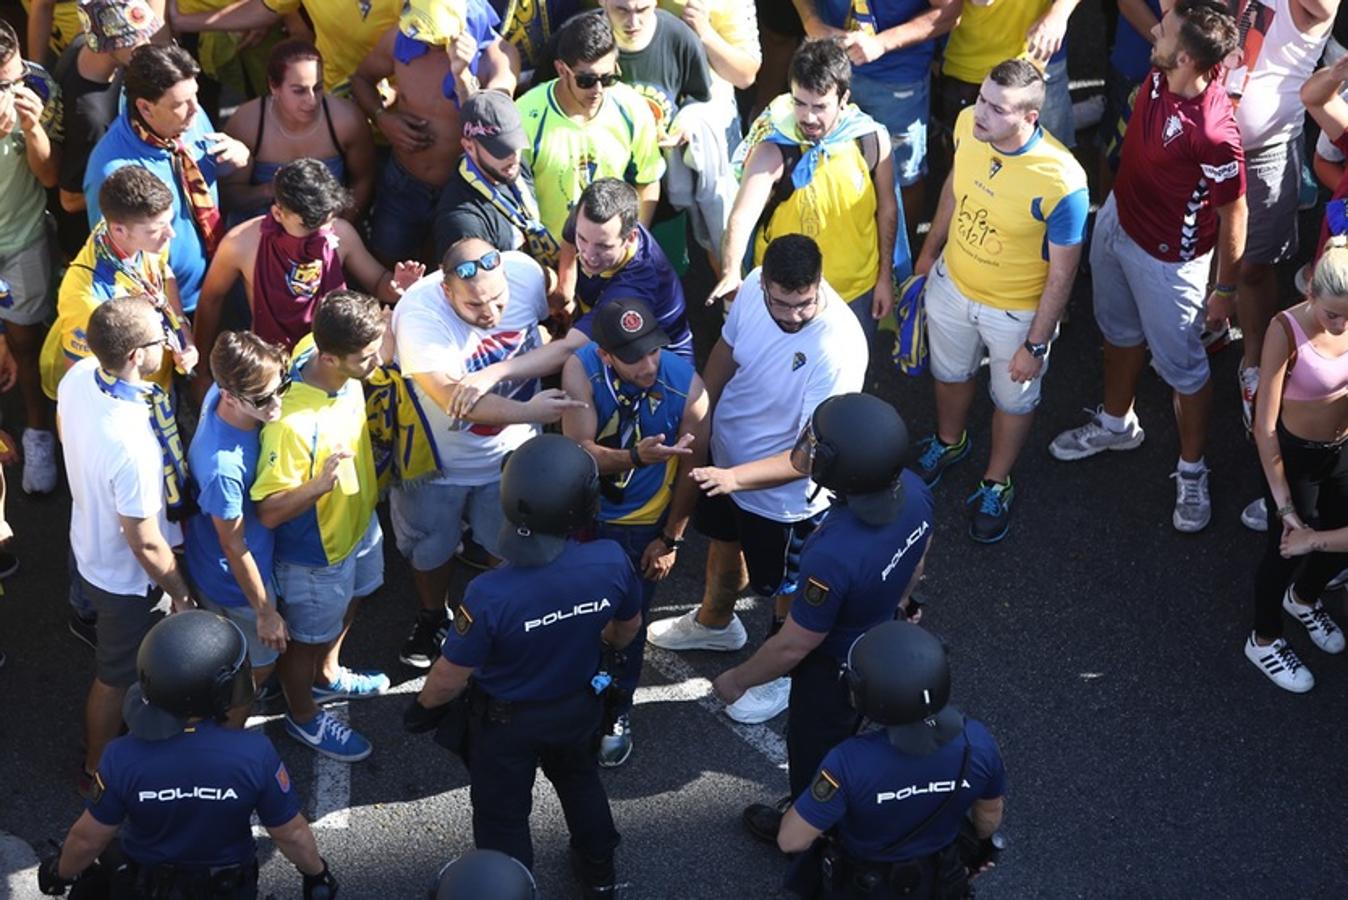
(531,634)
(856,570)
(898,796)
(484,875)
(181,788)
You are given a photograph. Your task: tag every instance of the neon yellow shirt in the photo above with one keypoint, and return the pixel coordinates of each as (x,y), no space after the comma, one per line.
(345,31)
(313,425)
(1008,208)
(566,156)
(986,35)
(90,280)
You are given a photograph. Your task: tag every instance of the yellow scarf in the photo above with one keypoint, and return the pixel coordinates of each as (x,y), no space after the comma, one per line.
(399,432)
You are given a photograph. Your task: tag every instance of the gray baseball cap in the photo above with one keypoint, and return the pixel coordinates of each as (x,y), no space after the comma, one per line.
(491,119)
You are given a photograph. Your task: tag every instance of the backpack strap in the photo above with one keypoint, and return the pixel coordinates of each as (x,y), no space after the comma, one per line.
(1291,342)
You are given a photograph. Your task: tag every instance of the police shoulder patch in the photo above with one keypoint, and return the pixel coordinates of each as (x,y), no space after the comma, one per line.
(97,788)
(463,620)
(824,787)
(816,591)
(283,778)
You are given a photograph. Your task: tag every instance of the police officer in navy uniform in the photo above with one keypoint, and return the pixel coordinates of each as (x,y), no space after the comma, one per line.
(896,798)
(856,570)
(181,788)
(484,875)
(531,635)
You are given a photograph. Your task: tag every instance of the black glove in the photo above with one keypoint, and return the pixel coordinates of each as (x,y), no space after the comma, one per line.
(417,719)
(321,886)
(49,880)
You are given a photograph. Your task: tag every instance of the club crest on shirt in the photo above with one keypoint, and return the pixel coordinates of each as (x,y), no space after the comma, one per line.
(824,787)
(303,278)
(797,361)
(365,7)
(463,620)
(1174,127)
(994,167)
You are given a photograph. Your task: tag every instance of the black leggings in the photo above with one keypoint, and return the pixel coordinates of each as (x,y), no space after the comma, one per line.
(1317,476)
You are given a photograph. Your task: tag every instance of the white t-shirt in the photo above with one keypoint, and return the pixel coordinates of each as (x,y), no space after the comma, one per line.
(432,338)
(779,381)
(115,468)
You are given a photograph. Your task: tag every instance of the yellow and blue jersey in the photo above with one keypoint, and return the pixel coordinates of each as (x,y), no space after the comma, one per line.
(314,424)
(1008,208)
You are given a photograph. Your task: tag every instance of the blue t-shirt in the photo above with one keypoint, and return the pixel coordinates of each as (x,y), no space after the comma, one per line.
(188,800)
(648,276)
(223,462)
(120,147)
(532,633)
(1131,54)
(626,414)
(902,66)
(875,794)
(852,575)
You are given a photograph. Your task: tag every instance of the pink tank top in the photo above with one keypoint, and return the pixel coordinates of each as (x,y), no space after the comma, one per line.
(1314,377)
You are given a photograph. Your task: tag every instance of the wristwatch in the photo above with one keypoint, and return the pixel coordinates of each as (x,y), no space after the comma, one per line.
(1038,351)
(672,542)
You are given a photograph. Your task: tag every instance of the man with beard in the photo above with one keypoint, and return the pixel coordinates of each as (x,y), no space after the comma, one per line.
(1180,192)
(788,344)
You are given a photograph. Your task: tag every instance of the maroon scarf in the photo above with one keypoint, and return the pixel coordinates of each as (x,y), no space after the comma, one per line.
(289,277)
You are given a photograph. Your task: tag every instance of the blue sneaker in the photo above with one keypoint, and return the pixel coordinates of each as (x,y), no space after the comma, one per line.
(352,684)
(934,457)
(991,504)
(333,739)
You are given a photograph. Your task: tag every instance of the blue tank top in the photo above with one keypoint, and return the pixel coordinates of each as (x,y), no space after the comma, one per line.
(265,172)
(627,414)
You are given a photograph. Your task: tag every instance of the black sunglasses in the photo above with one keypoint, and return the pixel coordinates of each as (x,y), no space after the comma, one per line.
(266,399)
(469,267)
(587,80)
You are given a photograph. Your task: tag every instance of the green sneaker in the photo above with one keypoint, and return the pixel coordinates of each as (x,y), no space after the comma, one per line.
(934,457)
(991,518)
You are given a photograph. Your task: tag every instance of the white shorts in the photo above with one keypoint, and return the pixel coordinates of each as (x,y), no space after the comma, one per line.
(958,331)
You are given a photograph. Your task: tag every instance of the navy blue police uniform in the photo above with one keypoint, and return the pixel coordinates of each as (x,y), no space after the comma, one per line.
(184,806)
(532,635)
(852,577)
(889,809)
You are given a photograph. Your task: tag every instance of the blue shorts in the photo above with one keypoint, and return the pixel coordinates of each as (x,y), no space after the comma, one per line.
(259,654)
(314,599)
(1057,115)
(404,213)
(428,520)
(903,108)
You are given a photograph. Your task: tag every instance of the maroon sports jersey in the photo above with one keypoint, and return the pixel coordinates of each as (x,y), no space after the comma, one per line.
(1181,160)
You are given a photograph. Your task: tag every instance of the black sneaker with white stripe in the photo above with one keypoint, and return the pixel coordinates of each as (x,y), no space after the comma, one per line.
(1281,664)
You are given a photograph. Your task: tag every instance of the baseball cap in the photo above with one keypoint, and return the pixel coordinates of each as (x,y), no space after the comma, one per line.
(117,24)
(628,329)
(491,119)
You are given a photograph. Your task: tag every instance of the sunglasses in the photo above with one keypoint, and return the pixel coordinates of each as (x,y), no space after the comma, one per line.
(587,80)
(470,267)
(159,341)
(266,399)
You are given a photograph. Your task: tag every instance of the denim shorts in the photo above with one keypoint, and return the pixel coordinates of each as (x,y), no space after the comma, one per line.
(314,599)
(428,520)
(404,213)
(903,108)
(958,330)
(1140,299)
(1056,115)
(259,654)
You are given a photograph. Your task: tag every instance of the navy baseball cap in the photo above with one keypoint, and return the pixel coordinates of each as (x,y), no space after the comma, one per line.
(627,329)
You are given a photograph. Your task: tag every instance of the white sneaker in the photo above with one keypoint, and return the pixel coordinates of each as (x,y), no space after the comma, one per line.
(1248,376)
(760,703)
(39,461)
(686,633)
(1255,515)
(1337,581)
(1094,437)
(1193,505)
(1280,663)
(1326,635)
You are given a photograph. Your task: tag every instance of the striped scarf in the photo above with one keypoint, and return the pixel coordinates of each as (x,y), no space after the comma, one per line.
(860,17)
(177,483)
(520,207)
(205,213)
(145,281)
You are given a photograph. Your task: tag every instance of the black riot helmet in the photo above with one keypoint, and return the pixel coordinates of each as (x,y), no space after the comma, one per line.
(484,875)
(549,488)
(191,665)
(899,677)
(855,446)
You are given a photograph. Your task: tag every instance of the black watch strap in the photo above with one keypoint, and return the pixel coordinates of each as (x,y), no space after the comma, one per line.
(671,542)
(1038,351)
